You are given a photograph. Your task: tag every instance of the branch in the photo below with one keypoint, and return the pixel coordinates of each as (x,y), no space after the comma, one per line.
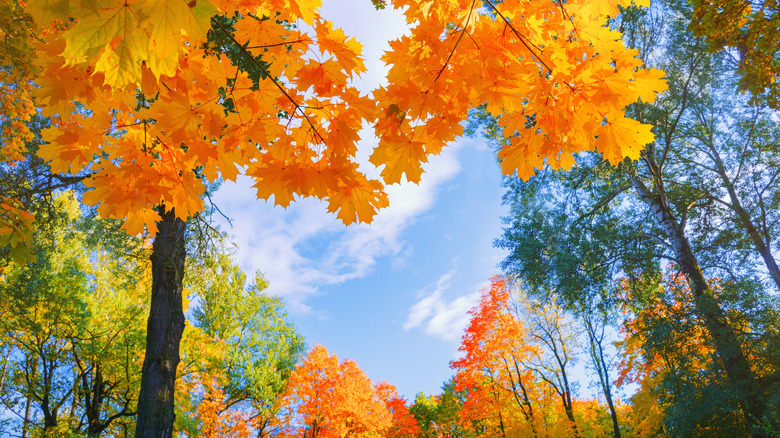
(462,32)
(243,49)
(602,203)
(523,39)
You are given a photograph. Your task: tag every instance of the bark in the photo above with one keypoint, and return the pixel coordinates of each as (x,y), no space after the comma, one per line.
(163,330)
(26,423)
(727,343)
(93,401)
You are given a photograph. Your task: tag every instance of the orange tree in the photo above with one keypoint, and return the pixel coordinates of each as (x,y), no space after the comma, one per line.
(151,99)
(327,398)
(502,394)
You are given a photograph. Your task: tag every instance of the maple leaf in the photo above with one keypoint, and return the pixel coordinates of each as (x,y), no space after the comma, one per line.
(260,33)
(176,116)
(271,179)
(44,12)
(109,32)
(623,137)
(649,82)
(346,51)
(167,20)
(357,200)
(16,228)
(400,156)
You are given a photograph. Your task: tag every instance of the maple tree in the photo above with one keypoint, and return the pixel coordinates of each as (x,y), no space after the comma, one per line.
(327,398)
(145,110)
(514,369)
(404,424)
(199,115)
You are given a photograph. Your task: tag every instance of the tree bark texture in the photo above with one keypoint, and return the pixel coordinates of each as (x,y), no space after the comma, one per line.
(163,330)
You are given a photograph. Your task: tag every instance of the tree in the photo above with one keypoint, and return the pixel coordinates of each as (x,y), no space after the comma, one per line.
(439,415)
(605,223)
(253,346)
(516,366)
(670,354)
(551,330)
(749,31)
(71,326)
(595,320)
(151,99)
(404,423)
(327,398)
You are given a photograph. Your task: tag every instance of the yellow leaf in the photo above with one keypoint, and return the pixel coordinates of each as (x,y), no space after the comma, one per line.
(270,179)
(346,51)
(358,200)
(623,137)
(400,156)
(649,82)
(110,33)
(46,11)
(138,219)
(169,19)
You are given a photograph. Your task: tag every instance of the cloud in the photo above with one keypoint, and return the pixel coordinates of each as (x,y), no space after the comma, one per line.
(302,248)
(438,317)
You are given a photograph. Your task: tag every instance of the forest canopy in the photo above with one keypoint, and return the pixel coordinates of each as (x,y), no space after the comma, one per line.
(638,142)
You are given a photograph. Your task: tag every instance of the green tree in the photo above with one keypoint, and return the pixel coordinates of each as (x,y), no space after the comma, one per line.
(256,346)
(701,196)
(439,415)
(72,326)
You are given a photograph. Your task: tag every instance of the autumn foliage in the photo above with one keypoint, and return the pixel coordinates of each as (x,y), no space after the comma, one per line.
(669,354)
(327,398)
(510,388)
(150,111)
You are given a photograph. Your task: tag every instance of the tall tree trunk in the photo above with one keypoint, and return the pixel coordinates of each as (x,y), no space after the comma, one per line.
(597,354)
(26,423)
(727,344)
(163,330)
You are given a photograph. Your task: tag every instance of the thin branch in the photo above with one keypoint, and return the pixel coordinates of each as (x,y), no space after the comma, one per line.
(243,49)
(523,39)
(462,32)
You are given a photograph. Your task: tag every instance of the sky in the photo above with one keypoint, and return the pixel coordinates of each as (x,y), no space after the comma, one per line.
(393,295)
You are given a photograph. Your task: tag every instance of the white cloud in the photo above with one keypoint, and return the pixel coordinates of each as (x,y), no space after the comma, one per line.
(302,248)
(440,318)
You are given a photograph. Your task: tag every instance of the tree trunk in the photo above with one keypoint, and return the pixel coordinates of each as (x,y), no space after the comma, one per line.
(727,344)
(525,403)
(26,423)
(163,330)
(602,369)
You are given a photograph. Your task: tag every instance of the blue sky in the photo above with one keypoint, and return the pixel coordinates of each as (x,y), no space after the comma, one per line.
(392,295)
